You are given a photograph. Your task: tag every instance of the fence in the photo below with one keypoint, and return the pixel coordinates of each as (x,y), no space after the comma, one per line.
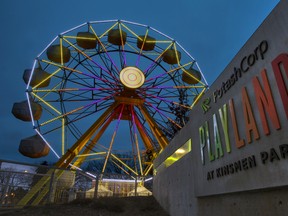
(25,184)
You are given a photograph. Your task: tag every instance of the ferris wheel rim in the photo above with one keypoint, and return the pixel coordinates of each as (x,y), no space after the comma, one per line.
(151,104)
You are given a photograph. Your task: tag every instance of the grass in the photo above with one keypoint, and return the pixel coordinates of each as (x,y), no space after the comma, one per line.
(106,206)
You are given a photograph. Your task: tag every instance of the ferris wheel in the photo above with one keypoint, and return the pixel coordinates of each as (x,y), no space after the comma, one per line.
(113,91)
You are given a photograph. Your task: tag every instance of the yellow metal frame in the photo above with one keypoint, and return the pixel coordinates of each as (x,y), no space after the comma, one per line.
(82,148)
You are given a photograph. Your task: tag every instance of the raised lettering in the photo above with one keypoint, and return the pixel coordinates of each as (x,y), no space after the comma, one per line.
(264,156)
(241,65)
(224,122)
(202,143)
(239,142)
(265,101)
(217,140)
(273,155)
(211,156)
(282,60)
(237,166)
(263,47)
(251,60)
(283,150)
(244,164)
(250,123)
(252,161)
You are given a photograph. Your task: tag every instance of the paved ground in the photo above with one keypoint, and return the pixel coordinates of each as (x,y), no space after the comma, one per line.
(136,206)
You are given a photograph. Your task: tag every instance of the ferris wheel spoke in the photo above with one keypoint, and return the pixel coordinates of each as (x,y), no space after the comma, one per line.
(80,115)
(157,110)
(102,45)
(136,139)
(166,93)
(77,109)
(163,125)
(125,165)
(122,53)
(81,83)
(90,146)
(113,137)
(90,67)
(180,67)
(121,168)
(71,125)
(136,36)
(106,61)
(161,81)
(164,115)
(168,101)
(141,50)
(101,76)
(76,71)
(158,58)
(152,68)
(144,131)
(74,89)
(173,87)
(122,59)
(88,57)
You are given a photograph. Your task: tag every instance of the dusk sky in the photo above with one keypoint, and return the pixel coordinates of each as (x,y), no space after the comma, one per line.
(212,31)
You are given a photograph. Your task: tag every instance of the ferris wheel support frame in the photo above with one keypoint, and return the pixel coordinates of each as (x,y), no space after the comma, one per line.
(150,106)
(66,160)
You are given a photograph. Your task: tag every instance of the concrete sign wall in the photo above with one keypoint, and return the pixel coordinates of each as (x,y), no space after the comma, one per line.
(238,130)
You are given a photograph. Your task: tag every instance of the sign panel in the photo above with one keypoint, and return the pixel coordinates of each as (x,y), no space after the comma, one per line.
(240,127)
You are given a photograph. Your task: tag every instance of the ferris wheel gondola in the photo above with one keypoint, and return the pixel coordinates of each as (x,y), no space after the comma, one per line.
(106,88)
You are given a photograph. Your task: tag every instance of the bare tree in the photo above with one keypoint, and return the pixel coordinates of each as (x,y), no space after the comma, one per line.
(13,185)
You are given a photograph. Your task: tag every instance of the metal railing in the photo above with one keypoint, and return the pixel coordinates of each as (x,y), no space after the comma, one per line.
(25,184)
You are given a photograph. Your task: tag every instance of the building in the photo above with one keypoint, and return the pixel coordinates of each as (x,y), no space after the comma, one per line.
(232,156)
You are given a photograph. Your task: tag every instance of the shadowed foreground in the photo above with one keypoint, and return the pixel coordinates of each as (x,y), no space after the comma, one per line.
(101,207)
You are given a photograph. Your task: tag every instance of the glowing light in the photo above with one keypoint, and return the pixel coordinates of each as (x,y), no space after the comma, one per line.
(73,29)
(149,179)
(134,23)
(172,70)
(132,32)
(47,46)
(63,136)
(180,151)
(91,154)
(132,77)
(61,51)
(177,155)
(55,153)
(103,21)
(31,75)
(154,62)
(161,33)
(118,180)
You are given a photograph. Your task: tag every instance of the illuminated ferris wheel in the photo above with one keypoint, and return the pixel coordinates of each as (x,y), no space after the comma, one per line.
(113,91)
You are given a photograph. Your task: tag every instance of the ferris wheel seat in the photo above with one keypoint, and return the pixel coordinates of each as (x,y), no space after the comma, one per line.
(146,45)
(21,110)
(40,78)
(117,37)
(33,147)
(172,56)
(86,40)
(117,89)
(191,76)
(54,54)
(110,74)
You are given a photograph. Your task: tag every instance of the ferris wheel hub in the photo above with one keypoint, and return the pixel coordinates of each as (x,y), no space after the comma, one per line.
(132,77)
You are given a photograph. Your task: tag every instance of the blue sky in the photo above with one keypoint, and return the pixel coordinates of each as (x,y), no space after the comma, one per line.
(212,31)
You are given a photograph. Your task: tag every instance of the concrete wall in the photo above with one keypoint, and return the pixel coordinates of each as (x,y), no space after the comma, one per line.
(208,180)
